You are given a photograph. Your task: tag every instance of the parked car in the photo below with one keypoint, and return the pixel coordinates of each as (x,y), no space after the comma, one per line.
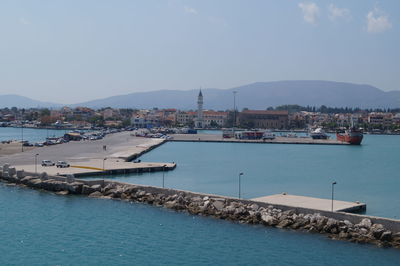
(47,163)
(62,164)
(27,144)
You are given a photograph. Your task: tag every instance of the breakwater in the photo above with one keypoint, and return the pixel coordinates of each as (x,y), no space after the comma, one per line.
(351,227)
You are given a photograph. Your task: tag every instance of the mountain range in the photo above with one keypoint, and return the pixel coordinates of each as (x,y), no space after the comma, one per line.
(258,95)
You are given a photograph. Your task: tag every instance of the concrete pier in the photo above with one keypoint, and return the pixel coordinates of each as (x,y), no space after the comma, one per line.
(312,203)
(277,140)
(111,155)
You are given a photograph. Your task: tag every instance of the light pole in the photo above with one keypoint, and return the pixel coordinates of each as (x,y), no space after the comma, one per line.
(333,184)
(163,173)
(104,160)
(36,155)
(234,112)
(22,136)
(240,175)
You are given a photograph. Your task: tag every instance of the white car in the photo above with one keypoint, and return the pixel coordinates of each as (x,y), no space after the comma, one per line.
(47,163)
(62,164)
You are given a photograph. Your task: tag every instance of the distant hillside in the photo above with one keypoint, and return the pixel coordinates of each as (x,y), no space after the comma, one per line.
(258,95)
(12,100)
(261,95)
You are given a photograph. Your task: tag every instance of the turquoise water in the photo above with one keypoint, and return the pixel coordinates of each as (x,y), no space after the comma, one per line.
(40,228)
(29,134)
(368,173)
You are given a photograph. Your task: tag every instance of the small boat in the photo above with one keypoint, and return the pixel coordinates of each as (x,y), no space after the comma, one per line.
(352,136)
(319,133)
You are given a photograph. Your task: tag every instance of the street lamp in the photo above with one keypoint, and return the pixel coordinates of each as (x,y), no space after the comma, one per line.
(36,155)
(104,160)
(333,184)
(163,173)
(240,175)
(22,136)
(234,111)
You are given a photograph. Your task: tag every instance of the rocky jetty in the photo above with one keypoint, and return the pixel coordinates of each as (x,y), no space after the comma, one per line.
(241,211)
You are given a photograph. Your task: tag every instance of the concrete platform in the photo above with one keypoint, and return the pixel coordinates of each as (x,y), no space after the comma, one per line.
(277,140)
(95,167)
(312,203)
(89,157)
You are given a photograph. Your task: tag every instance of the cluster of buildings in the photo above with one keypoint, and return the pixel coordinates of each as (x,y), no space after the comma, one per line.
(83,117)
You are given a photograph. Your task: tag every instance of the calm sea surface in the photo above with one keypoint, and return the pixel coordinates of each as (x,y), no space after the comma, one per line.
(368,173)
(40,228)
(29,134)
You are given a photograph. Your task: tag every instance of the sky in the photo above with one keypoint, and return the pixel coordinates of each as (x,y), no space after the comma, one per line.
(70,51)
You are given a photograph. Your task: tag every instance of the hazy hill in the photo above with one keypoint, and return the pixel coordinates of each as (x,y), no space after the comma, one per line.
(261,95)
(258,95)
(11,100)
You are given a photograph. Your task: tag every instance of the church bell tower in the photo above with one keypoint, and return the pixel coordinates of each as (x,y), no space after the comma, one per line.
(200,122)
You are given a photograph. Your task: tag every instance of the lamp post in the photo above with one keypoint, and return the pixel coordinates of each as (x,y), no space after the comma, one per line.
(104,160)
(163,173)
(36,155)
(333,185)
(234,112)
(240,175)
(22,136)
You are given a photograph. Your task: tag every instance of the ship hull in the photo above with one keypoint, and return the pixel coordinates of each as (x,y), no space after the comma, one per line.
(351,138)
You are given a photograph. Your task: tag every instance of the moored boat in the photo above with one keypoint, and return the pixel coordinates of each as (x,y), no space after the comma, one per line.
(319,133)
(352,136)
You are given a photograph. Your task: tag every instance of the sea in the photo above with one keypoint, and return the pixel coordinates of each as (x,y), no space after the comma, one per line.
(40,228)
(29,134)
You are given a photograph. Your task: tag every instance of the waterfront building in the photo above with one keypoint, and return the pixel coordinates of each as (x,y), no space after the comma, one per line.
(263,119)
(383,119)
(212,118)
(108,113)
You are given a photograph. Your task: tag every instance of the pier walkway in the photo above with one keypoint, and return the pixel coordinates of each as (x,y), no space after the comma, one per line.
(277,140)
(312,203)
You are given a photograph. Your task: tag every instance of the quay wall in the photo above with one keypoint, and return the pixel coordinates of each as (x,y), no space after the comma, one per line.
(260,142)
(126,171)
(338,225)
(137,155)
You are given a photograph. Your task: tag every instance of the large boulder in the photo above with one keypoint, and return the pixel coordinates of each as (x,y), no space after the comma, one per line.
(365,223)
(96,194)
(269,219)
(218,205)
(377,230)
(386,236)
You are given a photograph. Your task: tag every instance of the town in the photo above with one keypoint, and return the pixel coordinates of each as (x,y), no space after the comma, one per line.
(288,117)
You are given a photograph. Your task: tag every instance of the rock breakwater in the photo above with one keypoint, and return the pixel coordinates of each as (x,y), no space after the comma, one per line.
(242,211)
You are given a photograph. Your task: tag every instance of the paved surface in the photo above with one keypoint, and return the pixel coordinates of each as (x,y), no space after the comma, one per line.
(277,140)
(311,203)
(119,147)
(12,148)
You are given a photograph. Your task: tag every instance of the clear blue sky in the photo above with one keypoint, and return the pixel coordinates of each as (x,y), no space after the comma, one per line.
(71,51)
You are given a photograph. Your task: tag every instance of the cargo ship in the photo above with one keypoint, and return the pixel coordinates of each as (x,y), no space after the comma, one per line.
(352,136)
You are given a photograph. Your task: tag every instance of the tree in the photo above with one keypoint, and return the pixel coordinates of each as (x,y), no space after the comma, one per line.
(45,112)
(126,122)
(214,124)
